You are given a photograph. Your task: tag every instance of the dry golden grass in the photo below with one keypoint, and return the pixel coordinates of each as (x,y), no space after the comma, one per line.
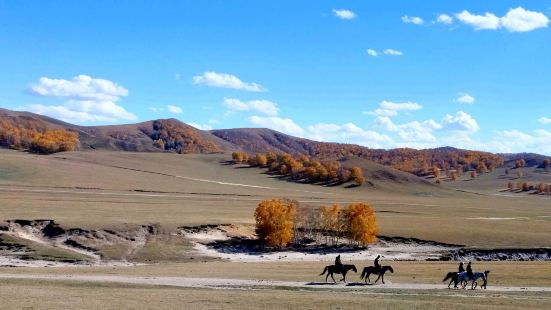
(30,294)
(87,190)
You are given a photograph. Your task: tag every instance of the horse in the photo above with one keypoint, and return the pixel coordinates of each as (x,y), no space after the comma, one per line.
(369,270)
(331,269)
(463,278)
(451,276)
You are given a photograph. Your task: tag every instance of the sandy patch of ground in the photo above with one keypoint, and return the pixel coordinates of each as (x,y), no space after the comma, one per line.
(220,283)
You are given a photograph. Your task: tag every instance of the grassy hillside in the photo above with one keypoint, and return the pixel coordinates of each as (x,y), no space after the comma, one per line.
(118,189)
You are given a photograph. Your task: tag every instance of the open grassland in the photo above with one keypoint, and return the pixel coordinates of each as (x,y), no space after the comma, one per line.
(30,294)
(91,190)
(118,190)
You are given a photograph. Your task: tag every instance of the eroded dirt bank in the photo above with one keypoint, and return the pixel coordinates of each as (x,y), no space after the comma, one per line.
(44,243)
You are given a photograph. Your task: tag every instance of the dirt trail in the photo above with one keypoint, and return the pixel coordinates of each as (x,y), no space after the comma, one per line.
(221,283)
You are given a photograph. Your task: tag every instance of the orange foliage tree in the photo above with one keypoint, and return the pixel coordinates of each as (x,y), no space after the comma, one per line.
(361,223)
(274,221)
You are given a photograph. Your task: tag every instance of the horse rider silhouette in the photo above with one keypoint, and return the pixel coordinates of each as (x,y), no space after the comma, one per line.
(376,263)
(338,263)
(469,270)
(461,268)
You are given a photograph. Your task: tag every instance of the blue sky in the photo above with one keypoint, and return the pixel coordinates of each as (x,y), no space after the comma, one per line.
(470,74)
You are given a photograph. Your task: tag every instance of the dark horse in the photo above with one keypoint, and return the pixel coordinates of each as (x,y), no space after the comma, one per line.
(451,276)
(331,269)
(369,270)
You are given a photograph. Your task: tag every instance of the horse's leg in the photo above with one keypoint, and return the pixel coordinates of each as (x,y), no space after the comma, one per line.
(333,278)
(344,277)
(378,278)
(383,278)
(327,276)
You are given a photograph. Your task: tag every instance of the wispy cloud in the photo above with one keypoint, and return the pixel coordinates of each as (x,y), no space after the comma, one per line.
(262,106)
(390,109)
(344,14)
(372,52)
(392,52)
(412,20)
(544,120)
(174,109)
(444,19)
(225,80)
(465,98)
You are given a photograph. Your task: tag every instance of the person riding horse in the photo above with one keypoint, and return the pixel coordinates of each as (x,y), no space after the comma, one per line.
(461,268)
(338,263)
(469,270)
(376,263)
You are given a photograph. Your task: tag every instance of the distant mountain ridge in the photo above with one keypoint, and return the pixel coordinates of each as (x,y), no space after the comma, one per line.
(176,136)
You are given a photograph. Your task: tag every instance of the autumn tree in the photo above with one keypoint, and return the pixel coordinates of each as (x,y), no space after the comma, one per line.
(546,163)
(332,222)
(435,171)
(357,174)
(361,225)
(261,160)
(159,143)
(275,221)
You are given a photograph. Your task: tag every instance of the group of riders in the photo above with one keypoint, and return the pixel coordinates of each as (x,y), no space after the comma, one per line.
(462,276)
(339,264)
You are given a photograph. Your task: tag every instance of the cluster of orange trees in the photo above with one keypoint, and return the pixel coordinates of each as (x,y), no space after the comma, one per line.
(541,188)
(280,222)
(171,135)
(36,140)
(302,168)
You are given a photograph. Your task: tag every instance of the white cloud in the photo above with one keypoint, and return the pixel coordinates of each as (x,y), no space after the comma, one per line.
(461,121)
(88,99)
(444,19)
(225,80)
(371,52)
(263,106)
(177,76)
(465,98)
(486,21)
(285,125)
(389,108)
(392,52)
(174,109)
(422,134)
(81,87)
(201,127)
(521,20)
(515,141)
(349,133)
(410,132)
(516,20)
(412,20)
(544,120)
(344,14)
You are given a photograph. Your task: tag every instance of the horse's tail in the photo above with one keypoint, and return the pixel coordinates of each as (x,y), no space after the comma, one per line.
(364,273)
(448,276)
(324,270)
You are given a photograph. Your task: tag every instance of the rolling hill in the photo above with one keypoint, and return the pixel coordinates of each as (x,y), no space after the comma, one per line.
(175,136)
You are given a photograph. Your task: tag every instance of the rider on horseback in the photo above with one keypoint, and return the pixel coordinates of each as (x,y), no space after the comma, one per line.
(461,268)
(469,270)
(376,263)
(338,263)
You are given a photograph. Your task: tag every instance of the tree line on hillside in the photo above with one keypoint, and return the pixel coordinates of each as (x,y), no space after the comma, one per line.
(418,162)
(281,221)
(37,140)
(302,168)
(540,188)
(173,136)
